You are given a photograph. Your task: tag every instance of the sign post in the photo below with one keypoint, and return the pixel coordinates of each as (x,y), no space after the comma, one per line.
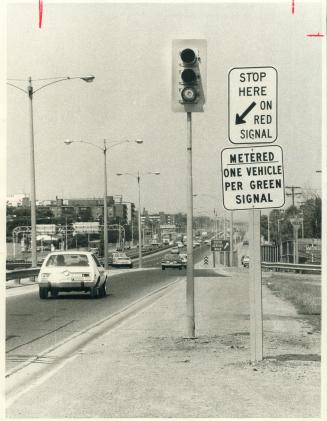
(231,234)
(253,178)
(296,222)
(256,324)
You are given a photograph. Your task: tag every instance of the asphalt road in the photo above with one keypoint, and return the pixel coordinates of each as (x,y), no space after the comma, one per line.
(33,325)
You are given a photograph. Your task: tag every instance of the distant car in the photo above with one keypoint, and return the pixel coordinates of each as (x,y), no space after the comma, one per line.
(196,244)
(207,242)
(245,261)
(183,257)
(180,245)
(171,261)
(171,243)
(121,260)
(174,250)
(65,271)
(245,242)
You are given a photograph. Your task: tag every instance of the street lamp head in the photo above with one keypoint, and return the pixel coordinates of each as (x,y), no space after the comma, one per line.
(119,173)
(68,141)
(155,172)
(88,79)
(139,141)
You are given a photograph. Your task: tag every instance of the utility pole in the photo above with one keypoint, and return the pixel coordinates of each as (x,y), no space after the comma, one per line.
(293,193)
(231,236)
(66,235)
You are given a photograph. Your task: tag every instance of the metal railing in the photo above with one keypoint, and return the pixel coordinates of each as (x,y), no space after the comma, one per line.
(291,267)
(19,274)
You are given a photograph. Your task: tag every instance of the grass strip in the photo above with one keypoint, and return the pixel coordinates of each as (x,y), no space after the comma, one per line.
(303,292)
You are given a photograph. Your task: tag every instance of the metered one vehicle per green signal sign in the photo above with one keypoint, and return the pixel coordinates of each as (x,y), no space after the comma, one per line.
(252,105)
(253,177)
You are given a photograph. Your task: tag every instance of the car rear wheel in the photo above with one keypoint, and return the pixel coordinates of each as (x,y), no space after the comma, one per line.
(180,268)
(93,292)
(163,267)
(43,293)
(103,289)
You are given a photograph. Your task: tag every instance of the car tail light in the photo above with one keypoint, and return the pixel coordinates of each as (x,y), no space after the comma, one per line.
(86,275)
(45,275)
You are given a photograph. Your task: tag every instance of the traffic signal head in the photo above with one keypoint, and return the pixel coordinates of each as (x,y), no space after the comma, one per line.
(189,75)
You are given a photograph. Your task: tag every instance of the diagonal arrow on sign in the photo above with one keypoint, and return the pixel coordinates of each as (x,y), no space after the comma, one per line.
(226,245)
(240,118)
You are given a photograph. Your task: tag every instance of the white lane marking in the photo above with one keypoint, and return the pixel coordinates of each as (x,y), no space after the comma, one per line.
(25,371)
(40,380)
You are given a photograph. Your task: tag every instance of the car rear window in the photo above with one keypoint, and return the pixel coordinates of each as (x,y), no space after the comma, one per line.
(65,260)
(170,257)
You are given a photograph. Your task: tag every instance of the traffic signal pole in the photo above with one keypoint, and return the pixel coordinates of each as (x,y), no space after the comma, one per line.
(189,95)
(190,262)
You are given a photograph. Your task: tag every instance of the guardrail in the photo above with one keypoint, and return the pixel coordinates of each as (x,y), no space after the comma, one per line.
(291,267)
(20,274)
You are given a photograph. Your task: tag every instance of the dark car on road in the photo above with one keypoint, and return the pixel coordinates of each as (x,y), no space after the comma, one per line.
(172,261)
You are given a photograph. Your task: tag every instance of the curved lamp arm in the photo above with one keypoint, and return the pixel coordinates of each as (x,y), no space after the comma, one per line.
(87,79)
(68,142)
(17,87)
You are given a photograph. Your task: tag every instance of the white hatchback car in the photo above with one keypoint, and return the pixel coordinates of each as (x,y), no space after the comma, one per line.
(67,271)
(121,260)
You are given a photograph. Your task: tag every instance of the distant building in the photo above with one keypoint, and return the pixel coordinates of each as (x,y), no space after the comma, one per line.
(16,200)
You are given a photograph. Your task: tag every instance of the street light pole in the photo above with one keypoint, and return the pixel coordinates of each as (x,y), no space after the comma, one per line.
(30,92)
(105,209)
(139,220)
(32,172)
(138,178)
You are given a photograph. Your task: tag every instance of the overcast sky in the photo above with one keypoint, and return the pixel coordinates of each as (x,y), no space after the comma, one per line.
(128,49)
